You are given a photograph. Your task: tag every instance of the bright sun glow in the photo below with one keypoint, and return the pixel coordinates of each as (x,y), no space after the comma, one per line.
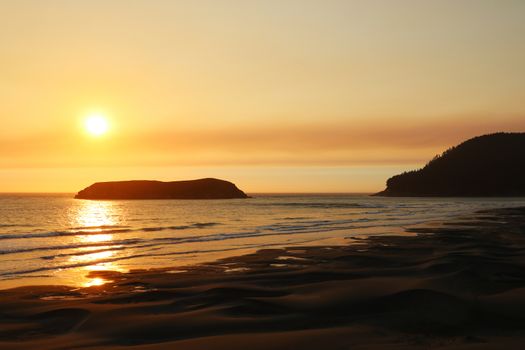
(96,124)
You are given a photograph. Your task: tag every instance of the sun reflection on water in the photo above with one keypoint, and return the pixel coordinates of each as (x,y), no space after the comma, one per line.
(94,218)
(96,238)
(92,257)
(94,215)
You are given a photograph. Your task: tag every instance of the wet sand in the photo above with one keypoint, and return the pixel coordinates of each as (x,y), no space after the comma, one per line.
(454,285)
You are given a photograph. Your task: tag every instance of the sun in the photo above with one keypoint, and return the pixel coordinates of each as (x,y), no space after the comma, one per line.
(96,124)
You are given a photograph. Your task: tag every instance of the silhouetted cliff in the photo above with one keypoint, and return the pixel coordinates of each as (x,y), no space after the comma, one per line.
(489,165)
(142,189)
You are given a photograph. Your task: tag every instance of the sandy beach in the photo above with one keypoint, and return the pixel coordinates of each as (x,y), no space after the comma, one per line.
(454,285)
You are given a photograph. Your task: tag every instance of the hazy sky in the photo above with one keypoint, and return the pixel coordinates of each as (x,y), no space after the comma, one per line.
(273,95)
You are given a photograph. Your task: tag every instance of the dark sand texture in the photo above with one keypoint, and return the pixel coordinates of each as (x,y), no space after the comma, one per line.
(456,285)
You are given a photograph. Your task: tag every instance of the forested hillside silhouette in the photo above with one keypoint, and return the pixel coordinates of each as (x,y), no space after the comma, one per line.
(488,165)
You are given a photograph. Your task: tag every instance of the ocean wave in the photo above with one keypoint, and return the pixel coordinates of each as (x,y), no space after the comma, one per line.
(99,227)
(13,274)
(59,234)
(322,205)
(70,246)
(84,252)
(277,229)
(181,227)
(98,230)
(15,225)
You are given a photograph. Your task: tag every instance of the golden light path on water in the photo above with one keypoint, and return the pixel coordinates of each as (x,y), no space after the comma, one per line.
(93,217)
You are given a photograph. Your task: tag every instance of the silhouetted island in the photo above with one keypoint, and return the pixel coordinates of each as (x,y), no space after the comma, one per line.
(144,189)
(484,166)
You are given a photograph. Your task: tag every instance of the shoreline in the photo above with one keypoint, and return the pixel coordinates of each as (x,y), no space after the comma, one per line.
(458,284)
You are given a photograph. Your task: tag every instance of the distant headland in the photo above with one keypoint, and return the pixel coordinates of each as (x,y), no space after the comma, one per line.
(484,166)
(143,189)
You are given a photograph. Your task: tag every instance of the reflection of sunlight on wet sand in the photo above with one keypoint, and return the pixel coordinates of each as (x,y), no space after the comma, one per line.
(93,216)
(82,273)
(97,281)
(107,266)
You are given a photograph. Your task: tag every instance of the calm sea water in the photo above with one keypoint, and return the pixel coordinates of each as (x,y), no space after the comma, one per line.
(55,239)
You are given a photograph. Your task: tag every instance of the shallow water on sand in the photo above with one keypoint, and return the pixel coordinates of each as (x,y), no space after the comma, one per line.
(55,239)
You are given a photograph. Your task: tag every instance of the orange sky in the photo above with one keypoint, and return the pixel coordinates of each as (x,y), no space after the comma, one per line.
(305,96)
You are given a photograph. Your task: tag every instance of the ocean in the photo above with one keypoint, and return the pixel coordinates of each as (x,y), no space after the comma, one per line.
(55,239)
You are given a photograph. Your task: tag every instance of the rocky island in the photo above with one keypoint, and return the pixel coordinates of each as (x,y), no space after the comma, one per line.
(144,189)
(484,166)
